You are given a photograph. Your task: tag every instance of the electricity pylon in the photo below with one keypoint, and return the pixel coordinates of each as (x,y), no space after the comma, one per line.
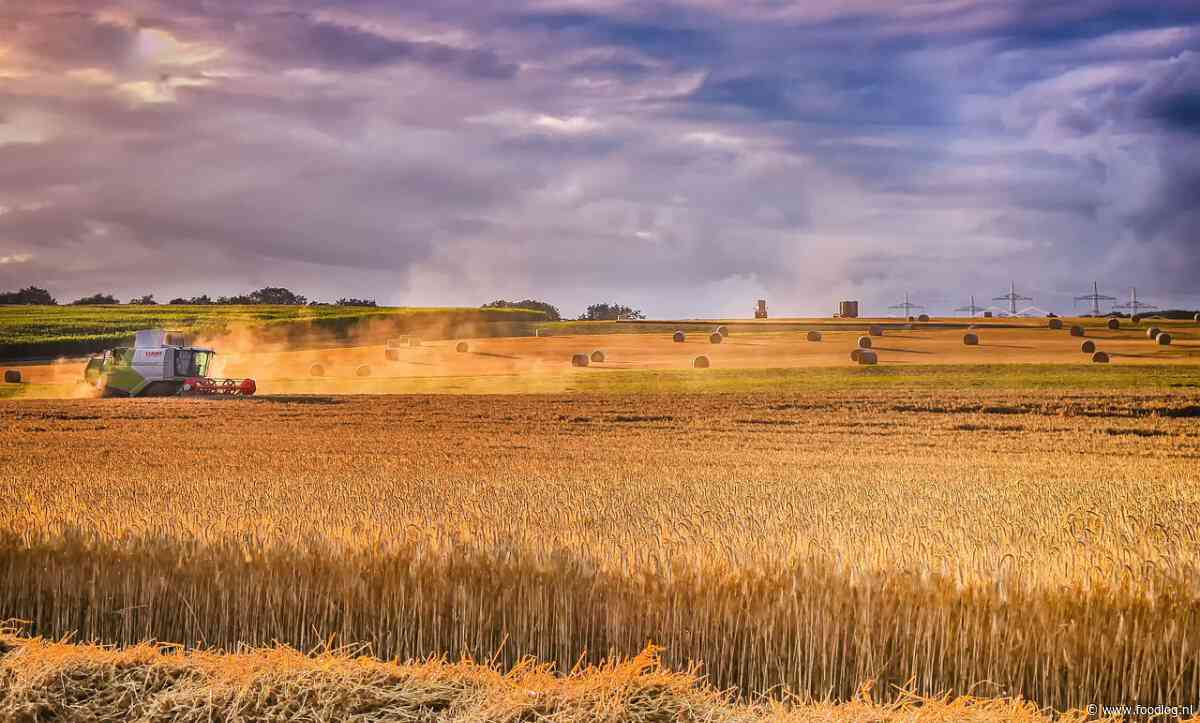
(971,307)
(1133,304)
(907,306)
(1095,297)
(1012,297)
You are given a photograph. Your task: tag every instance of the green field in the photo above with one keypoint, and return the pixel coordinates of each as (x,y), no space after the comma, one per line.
(48,331)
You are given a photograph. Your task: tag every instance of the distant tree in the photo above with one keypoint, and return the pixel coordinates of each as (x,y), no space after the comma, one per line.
(29,296)
(610,312)
(550,310)
(194,301)
(356,302)
(147,300)
(241,300)
(277,295)
(95,300)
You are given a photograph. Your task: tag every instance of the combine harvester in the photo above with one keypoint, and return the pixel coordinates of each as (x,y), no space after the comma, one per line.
(160,364)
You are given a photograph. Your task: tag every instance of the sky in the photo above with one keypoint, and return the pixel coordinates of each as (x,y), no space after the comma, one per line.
(685,158)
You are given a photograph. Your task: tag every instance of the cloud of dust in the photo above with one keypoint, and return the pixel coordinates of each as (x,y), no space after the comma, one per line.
(280,358)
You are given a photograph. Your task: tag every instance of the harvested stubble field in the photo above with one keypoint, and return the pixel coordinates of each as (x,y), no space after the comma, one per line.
(1012,354)
(1037,544)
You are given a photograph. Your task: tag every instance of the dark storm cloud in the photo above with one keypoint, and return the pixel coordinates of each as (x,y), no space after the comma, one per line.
(662,36)
(296,38)
(683,156)
(66,36)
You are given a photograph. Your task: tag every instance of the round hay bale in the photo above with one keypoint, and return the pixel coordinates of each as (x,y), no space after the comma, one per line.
(972,326)
(579,360)
(397,342)
(923,318)
(1114,324)
(1196,319)
(866,356)
(814,336)
(12,376)
(723,330)
(864,342)
(1100,358)
(1054,323)
(414,341)
(1153,332)
(316,370)
(1077,330)
(679,337)
(392,354)
(363,371)
(875,330)
(854,354)
(462,347)
(971,339)
(598,356)
(1088,347)
(715,338)
(700,362)
(912,318)
(1163,339)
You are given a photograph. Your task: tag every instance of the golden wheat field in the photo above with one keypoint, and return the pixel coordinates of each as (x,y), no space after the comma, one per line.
(1039,545)
(543,364)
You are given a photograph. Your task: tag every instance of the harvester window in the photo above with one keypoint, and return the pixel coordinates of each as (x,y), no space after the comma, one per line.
(190,363)
(202,360)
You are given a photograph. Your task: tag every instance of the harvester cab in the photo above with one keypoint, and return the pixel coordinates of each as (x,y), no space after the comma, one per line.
(160,364)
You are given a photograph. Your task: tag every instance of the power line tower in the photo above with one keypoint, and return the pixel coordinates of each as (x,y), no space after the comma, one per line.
(907,306)
(972,308)
(1095,297)
(1012,297)
(1133,304)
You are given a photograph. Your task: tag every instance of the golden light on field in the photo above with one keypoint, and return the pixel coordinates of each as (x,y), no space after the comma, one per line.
(1039,544)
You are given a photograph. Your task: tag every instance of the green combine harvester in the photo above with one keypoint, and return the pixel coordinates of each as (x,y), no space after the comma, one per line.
(160,364)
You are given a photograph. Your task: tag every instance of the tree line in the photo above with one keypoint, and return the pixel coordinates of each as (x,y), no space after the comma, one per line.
(267,295)
(278,295)
(595,312)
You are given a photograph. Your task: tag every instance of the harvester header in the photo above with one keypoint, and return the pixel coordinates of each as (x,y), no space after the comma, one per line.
(160,363)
